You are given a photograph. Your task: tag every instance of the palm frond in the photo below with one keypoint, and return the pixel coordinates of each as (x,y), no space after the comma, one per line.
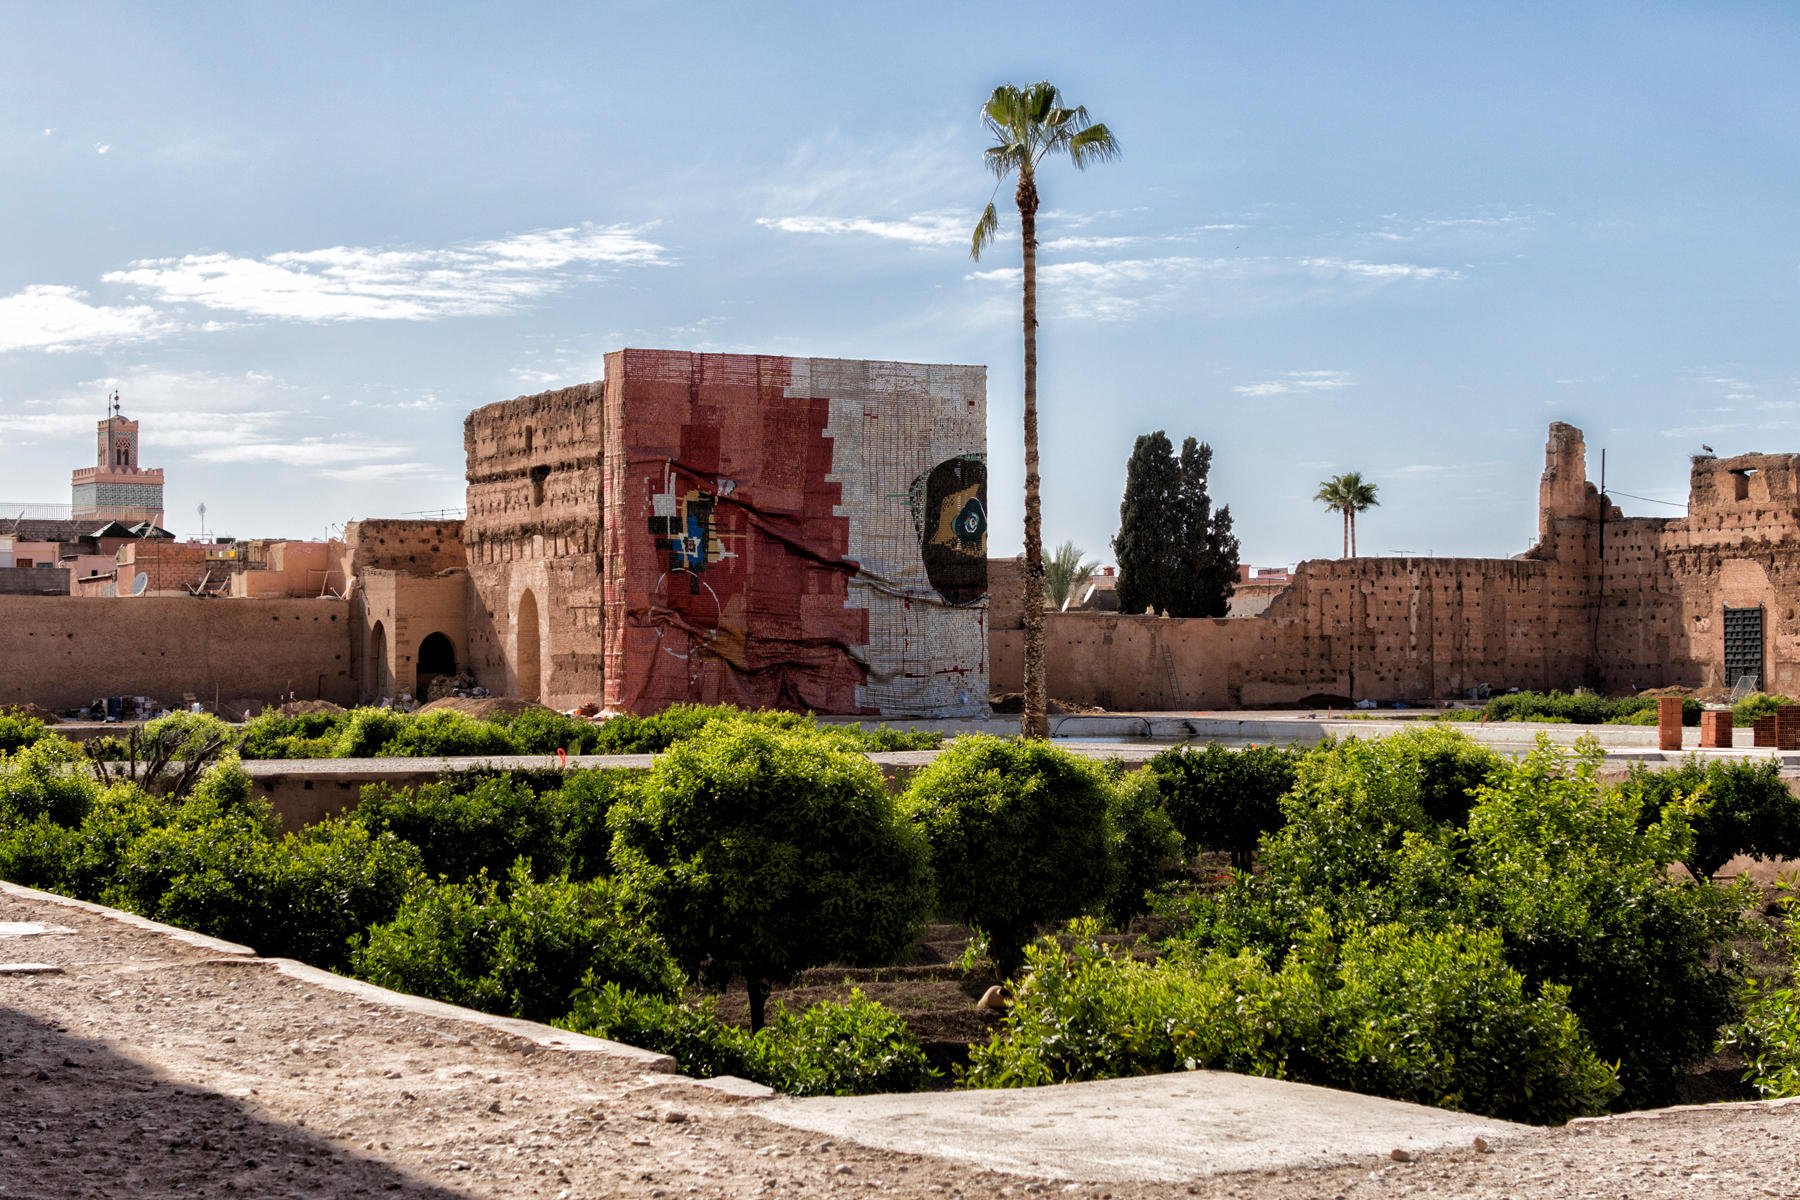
(985,229)
(1093,144)
(1003,160)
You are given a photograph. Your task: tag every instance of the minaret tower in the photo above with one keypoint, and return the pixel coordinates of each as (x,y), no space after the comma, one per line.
(116,488)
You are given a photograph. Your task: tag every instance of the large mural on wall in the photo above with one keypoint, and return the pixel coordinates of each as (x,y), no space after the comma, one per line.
(795,533)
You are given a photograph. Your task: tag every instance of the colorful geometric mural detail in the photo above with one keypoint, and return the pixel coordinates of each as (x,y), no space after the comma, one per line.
(950,512)
(778,536)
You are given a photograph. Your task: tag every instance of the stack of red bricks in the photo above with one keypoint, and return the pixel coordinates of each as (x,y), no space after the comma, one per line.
(1715,729)
(1779,731)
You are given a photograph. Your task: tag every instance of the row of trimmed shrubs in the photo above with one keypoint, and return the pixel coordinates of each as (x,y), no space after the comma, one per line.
(1422,909)
(1586,708)
(447,733)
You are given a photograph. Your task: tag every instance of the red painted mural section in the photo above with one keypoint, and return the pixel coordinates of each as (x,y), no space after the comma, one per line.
(726,568)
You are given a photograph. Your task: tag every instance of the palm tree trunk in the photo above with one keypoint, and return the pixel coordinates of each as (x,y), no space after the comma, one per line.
(1351,513)
(1345,514)
(1034,721)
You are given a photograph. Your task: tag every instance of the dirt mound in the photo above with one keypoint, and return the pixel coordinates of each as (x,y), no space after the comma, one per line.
(31,710)
(483,707)
(296,708)
(1013,702)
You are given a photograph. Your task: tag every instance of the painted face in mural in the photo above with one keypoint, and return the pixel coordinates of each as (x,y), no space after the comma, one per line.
(950,508)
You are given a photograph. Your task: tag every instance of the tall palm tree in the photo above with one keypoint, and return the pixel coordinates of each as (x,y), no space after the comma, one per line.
(1029,124)
(1349,495)
(1064,573)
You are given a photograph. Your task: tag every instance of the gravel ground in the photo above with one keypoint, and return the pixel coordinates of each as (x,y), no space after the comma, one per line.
(142,1066)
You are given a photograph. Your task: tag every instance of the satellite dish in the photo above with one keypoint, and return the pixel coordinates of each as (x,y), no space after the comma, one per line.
(139,584)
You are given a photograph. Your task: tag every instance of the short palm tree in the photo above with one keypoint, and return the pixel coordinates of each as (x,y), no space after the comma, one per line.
(1029,124)
(1349,495)
(1064,573)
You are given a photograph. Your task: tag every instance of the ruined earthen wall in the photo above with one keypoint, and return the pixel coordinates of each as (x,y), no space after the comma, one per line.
(410,547)
(1738,547)
(533,537)
(63,651)
(1377,628)
(397,612)
(1006,593)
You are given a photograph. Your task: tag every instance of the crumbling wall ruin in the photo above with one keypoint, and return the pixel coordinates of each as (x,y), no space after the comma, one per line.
(1600,600)
(533,534)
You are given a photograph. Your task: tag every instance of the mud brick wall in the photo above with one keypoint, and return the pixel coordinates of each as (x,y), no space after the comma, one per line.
(533,535)
(64,651)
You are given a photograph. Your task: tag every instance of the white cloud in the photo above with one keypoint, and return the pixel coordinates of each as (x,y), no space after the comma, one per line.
(920,229)
(1121,288)
(1352,266)
(101,147)
(51,317)
(1297,382)
(344,283)
(1089,243)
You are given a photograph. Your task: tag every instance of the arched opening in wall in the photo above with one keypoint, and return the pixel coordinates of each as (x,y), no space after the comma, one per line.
(437,660)
(527,654)
(378,677)
(538,475)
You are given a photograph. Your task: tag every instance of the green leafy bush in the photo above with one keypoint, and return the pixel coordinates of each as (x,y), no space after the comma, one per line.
(1757,704)
(514,947)
(212,864)
(1019,834)
(18,730)
(46,779)
(542,731)
(692,1033)
(586,798)
(1566,871)
(1744,807)
(1434,1017)
(470,824)
(846,1048)
(1579,708)
(39,853)
(835,1049)
(306,735)
(193,734)
(1769,1035)
(366,730)
(443,734)
(628,734)
(1145,846)
(1225,800)
(761,852)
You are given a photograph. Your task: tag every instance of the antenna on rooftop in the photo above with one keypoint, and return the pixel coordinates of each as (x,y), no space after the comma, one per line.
(202,512)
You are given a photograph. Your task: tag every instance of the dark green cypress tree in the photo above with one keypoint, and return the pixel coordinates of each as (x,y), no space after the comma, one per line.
(1150,531)
(1218,574)
(1206,568)
(1188,569)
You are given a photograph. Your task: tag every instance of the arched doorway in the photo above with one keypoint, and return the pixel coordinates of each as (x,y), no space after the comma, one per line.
(437,660)
(378,676)
(526,656)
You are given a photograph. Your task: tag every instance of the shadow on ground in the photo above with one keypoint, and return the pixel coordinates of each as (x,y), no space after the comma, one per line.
(77,1121)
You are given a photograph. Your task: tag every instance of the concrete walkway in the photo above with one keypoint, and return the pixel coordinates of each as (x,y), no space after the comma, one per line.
(1158,1127)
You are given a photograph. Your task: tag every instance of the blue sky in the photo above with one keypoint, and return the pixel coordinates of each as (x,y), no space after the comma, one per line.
(304,240)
